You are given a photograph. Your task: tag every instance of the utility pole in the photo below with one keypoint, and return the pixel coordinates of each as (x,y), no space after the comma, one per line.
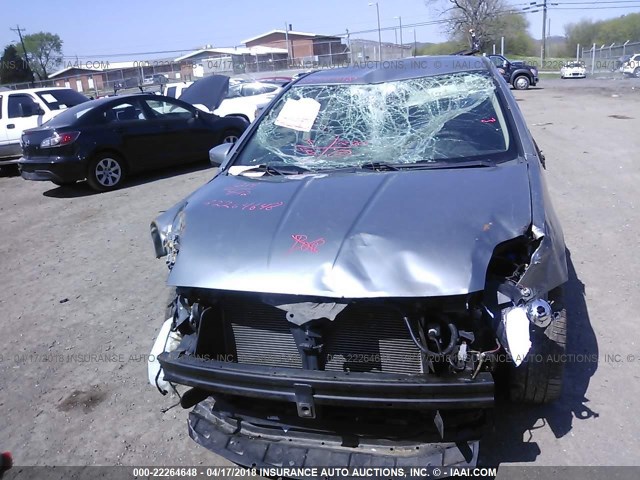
(415,44)
(286,39)
(24,50)
(379,34)
(544,31)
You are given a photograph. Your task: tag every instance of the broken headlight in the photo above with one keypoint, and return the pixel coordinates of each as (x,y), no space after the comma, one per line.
(166,240)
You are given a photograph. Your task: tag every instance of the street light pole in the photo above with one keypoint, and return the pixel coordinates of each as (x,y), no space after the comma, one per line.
(379,34)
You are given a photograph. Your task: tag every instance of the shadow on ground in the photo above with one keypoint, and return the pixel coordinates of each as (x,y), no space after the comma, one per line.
(82,189)
(510,438)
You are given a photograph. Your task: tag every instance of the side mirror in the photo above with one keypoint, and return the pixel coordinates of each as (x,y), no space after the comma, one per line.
(218,154)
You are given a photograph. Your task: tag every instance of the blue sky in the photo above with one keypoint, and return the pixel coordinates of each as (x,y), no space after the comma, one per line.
(93,29)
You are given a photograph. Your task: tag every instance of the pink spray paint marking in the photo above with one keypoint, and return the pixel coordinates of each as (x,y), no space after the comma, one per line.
(241,189)
(337,148)
(255,206)
(301,243)
(489,120)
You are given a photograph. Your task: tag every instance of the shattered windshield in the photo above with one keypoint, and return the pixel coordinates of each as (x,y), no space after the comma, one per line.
(444,118)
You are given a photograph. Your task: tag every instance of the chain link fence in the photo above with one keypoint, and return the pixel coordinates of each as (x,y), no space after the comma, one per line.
(608,58)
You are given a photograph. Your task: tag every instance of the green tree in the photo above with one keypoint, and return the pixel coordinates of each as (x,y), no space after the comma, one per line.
(44,51)
(13,68)
(618,30)
(515,30)
(490,19)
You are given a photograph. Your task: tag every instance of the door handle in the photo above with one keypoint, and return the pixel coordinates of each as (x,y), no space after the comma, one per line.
(11,125)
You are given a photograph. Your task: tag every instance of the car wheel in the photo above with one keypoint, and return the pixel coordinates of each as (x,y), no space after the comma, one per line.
(538,379)
(231,136)
(521,82)
(106,172)
(636,72)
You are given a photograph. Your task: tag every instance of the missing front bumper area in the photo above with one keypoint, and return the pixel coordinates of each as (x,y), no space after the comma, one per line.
(252,443)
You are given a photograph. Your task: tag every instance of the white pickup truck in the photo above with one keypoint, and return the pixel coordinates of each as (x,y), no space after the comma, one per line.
(29,108)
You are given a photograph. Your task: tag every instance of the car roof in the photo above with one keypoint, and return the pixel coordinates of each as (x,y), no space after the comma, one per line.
(36,90)
(118,98)
(371,72)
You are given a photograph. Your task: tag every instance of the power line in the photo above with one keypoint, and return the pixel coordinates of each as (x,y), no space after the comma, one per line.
(596,8)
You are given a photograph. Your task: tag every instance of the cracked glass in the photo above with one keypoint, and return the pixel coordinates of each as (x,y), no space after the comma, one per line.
(453,117)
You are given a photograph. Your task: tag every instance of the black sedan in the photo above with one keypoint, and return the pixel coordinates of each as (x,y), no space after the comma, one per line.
(104,140)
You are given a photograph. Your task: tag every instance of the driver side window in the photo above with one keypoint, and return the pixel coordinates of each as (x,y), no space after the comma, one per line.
(124,112)
(168,110)
(21,105)
(497,61)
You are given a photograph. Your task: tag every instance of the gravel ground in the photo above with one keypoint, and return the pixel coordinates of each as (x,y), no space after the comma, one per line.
(81,299)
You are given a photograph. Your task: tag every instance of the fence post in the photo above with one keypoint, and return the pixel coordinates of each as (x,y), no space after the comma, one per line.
(593,58)
(577,52)
(502,46)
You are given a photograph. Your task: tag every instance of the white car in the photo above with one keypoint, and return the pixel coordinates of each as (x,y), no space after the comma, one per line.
(29,108)
(573,70)
(175,89)
(242,100)
(632,66)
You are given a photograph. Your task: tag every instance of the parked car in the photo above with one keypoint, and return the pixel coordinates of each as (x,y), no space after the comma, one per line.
(573,70)
(109,138)
(377,246)
(155,79)
(632,66)
(242,97)
(279,81)
(23,109)
(175,89)
(518,74)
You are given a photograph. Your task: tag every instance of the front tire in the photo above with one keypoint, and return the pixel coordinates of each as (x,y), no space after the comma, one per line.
(538,380)
(636,72)
(521,82)
(106,172)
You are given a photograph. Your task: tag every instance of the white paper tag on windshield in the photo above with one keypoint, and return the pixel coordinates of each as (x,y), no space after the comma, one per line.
(298,114)
(47,97)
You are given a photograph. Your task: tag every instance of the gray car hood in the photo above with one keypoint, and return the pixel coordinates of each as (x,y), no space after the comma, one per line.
(208,91)
(353,235)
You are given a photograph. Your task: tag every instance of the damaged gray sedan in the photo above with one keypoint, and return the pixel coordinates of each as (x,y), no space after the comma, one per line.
(371,255)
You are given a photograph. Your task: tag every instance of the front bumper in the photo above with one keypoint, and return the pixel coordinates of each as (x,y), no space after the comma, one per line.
(258,446)
(56,169)
(308,388)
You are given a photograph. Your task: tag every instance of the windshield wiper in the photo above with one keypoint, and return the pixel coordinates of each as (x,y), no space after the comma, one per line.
(279,170)
(380,166)
(427,164)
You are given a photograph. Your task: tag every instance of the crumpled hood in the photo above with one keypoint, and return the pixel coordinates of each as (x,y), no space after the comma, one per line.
(354,235)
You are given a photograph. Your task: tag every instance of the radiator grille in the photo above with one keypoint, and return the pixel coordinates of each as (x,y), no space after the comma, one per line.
(261,335)
(360,339)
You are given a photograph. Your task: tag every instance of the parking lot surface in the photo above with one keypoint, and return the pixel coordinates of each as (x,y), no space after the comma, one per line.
(81,297)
